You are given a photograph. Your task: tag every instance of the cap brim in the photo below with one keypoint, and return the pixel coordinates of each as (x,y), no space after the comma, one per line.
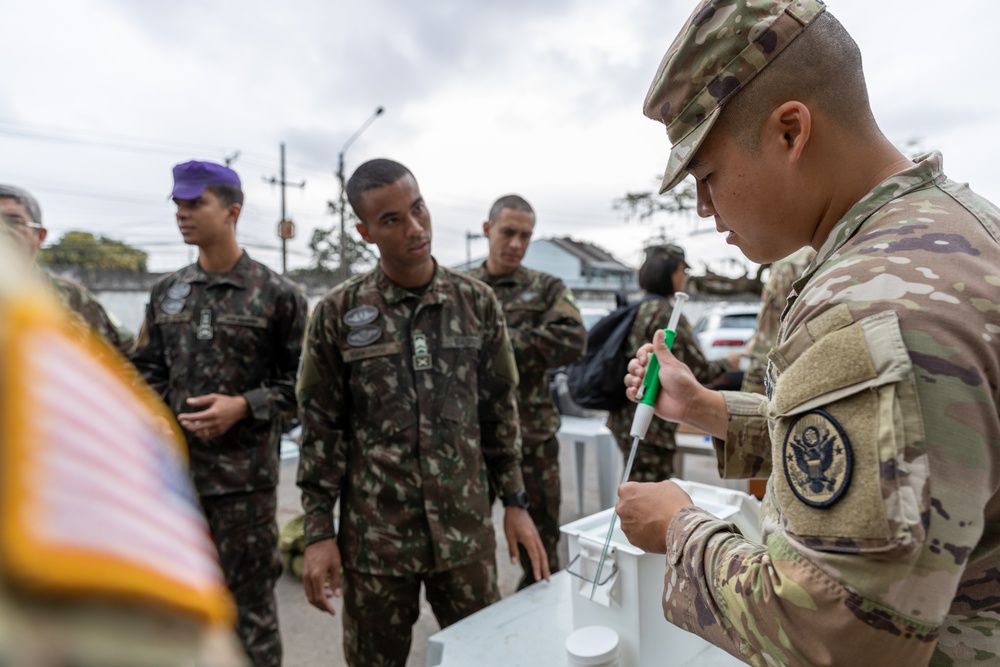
(684,150)
(187,190)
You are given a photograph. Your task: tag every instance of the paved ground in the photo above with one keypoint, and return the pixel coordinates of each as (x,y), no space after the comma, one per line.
(313,639)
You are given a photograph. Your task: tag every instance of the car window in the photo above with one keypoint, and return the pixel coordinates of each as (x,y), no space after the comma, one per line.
(739,321)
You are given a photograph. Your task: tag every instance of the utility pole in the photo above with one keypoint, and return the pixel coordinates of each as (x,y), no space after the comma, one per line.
(286,229)
(345,270)
(468,247)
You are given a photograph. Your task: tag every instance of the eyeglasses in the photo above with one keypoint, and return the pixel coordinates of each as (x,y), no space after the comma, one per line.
(16,222)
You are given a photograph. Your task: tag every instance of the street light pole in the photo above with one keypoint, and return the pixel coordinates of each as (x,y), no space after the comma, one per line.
(344,269)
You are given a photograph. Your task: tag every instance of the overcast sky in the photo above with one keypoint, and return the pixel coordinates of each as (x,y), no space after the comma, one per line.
(100,98)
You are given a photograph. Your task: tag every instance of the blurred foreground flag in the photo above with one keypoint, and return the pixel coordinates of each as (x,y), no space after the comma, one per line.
(96,505)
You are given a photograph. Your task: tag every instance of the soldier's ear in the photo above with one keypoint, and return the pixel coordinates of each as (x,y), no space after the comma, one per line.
(363,231)
(486,228)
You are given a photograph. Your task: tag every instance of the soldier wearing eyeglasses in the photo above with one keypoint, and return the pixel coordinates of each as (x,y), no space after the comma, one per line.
(23,218)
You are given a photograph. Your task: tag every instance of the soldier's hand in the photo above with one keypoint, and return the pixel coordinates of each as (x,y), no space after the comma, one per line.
(218,416)
(321,574)
(520,529)
(646,510)
(682,398)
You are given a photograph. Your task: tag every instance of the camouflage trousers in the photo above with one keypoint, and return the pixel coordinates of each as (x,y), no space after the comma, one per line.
(379,611)
(246,534)
(540,468)
(654,462)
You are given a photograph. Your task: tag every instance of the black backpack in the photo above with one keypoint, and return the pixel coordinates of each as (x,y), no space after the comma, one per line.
(595,381)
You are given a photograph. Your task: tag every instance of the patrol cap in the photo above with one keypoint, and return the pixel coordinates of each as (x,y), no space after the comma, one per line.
(723,45)
(191,178)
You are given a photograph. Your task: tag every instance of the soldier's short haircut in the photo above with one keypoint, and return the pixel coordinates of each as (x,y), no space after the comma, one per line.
(24,198)
(226,194)
(822,67)
(513,202)
(656,275)
(372,175)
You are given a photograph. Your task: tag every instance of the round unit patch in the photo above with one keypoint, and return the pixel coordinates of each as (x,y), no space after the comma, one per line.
(172,306)
(364,335)
(360,316)
(179,291)
(817,458)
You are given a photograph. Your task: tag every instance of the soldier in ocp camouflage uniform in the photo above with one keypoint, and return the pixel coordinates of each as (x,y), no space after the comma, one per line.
(773,300)
(881,429)
(662,274)
(24,220)
(546,331)
(408,413)
(221,343)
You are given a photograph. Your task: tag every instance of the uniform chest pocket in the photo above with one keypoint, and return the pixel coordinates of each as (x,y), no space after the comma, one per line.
(383,404)
(244,337)
(520,312)
(850,474)
(460,366)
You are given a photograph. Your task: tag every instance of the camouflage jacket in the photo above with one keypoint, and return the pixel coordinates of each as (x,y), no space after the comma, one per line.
(881,513)
(408,409)
(772,303)
(238,334)
(546,329)
(81,301)
(653,315)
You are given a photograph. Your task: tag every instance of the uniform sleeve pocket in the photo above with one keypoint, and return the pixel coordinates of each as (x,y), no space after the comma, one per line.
(850,473)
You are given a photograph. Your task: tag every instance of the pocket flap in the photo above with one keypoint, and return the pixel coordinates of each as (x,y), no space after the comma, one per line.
(866,354)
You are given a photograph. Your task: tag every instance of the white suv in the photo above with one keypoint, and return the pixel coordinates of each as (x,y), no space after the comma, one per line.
(726,328)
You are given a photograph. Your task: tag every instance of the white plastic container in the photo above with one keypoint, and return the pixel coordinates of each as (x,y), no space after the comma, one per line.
(629,596)
(593,646)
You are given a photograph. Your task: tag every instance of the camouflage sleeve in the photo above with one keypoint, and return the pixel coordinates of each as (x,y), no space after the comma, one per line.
(324,410)
(765,335)
(148,356)
(498,421)
(746,451)
(277,395)
(559,337)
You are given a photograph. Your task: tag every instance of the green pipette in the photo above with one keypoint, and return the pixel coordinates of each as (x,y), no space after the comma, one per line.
(647,393)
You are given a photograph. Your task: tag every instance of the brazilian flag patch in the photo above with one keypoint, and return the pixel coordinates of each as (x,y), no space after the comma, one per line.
(568,296)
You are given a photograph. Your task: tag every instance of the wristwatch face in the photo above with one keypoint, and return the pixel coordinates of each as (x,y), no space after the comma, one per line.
(519,499)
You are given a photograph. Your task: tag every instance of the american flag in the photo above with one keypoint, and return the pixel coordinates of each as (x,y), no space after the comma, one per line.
(96,499)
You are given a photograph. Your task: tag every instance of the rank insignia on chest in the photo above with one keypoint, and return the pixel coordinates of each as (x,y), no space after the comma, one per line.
(527,297)
(421,353)
(205,330)
(817,458)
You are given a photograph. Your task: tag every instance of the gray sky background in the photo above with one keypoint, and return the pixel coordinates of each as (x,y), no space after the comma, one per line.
(100,98)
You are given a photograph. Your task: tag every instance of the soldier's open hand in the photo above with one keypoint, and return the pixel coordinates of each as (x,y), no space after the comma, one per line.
(321,574)
(520,529)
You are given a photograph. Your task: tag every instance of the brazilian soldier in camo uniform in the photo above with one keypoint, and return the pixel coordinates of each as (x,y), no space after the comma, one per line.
(881,427)
(773,300)
(24,219)
(407,399)
(221,343)
(546,331)
(662,274)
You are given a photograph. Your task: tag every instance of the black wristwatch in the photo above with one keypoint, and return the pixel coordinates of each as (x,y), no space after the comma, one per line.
(519,499)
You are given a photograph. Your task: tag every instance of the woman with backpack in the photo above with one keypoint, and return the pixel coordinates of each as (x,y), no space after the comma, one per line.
(664,272)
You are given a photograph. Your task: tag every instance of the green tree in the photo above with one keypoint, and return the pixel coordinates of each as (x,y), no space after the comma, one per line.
(325,247)
(84,250)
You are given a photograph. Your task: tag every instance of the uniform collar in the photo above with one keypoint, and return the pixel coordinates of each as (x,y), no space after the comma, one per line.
(518,277)
(237,276)
(394,293)
(926,171)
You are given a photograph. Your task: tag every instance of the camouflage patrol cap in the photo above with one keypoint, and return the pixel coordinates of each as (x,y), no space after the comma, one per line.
(723,45)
